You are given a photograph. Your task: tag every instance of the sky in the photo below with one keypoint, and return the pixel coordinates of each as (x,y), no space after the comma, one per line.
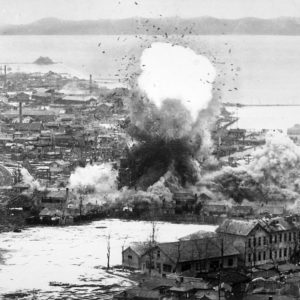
(26,11)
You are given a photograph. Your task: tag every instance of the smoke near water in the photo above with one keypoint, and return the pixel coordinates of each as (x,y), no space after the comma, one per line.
(273,174)
(171,112)
(175,72)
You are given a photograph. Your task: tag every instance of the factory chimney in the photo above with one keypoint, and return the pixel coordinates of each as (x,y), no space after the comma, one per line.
(20,113)
(91,84)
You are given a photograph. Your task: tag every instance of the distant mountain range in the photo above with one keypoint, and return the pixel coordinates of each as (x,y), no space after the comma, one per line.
(162,26)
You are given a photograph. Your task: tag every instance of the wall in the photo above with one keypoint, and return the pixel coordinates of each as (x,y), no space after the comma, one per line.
(134,262)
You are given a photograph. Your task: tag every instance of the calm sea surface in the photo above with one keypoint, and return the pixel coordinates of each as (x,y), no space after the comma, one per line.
(251,69)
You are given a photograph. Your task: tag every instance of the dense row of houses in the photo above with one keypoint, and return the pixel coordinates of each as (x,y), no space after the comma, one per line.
(46,125)
(199,208)
(51,206)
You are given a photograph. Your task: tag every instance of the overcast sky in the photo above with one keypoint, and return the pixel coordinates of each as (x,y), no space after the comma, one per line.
(25,11)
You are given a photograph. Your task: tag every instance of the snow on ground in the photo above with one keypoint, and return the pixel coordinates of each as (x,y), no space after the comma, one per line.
(72,255)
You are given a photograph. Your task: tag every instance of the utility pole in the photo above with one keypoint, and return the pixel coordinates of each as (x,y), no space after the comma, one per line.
(221,267)
(80,207)
(108,252)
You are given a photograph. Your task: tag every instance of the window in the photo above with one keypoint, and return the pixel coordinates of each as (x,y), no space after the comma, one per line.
(280,237)
(259,241)
(158,254)
(254,256)
(294,236)
(249,257)
(254,241)
(264,255)
(259,256)
(265,240)
(167,268)
(230,262)
(290,236)
(280,253)
(158,267)
(284,252)
(129,256)
(275,238)
(271,256)
(186,266)
(249,243)
(285,237)
(203,265)
(270,239)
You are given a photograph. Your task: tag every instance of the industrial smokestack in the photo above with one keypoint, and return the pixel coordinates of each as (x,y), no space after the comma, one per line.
(67,194)
(20,112)
(91,84)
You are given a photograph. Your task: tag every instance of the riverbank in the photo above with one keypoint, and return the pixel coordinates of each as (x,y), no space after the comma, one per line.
(18,223)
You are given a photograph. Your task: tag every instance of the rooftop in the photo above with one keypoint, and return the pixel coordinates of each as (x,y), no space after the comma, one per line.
(200,249)
(237,227)
(79,98)
(139,248)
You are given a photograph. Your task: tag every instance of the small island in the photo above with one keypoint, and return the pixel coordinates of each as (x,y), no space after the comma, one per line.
(44,60)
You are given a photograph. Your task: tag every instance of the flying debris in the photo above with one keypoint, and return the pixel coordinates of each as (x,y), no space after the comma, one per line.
(164,115)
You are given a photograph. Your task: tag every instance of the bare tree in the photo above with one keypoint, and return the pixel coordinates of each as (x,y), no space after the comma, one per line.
(123,247)
(154,232)
(178,255)
(151,244)
(108,251)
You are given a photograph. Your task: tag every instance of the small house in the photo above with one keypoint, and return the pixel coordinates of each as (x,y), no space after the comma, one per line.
(131,256)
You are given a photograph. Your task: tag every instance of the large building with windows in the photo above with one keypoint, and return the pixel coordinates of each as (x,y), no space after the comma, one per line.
(190,256)
(264,241)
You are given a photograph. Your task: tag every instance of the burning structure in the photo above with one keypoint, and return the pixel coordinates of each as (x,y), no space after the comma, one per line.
(173,116)
(172,109)
(271,176)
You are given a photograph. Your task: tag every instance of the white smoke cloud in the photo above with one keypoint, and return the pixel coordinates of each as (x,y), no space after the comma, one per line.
(272,175)
(100,179)
(278,161)
(28,179)
(175,72)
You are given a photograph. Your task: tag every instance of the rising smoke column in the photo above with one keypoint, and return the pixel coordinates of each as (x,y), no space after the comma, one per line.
(27,178)
(176,72)
(272,175)
(174,87)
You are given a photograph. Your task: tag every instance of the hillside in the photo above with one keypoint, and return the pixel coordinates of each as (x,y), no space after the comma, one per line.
(198,26)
